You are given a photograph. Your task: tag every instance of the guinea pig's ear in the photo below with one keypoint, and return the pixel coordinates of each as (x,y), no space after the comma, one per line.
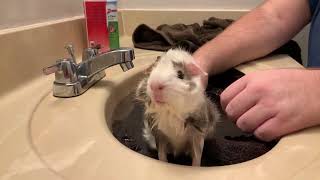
(149,69)
(193,69)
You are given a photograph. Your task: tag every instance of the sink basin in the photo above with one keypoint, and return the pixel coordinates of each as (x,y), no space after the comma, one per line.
(229,146)
(72,137)
(67,131)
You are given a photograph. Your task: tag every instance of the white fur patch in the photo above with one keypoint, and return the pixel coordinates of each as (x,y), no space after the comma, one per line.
(148,135)
(177,92)
(180,101)
(171,123)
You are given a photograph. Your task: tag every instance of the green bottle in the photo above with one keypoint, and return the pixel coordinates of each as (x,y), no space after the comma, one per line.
(113,25)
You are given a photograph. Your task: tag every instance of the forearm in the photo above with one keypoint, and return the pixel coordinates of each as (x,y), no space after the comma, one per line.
(254,35)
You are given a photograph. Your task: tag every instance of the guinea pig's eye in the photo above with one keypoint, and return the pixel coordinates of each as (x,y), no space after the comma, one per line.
(180,74)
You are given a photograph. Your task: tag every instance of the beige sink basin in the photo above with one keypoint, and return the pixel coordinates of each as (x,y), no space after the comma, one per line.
(73,141)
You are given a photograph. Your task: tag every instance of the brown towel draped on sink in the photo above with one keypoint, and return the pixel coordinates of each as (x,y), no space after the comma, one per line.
(188,36)
(191,37)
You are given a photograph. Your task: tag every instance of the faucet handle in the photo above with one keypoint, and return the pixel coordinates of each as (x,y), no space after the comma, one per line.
(70,50)
(52,69)
(88,54)
(91,52)
(65,71)
(93,45)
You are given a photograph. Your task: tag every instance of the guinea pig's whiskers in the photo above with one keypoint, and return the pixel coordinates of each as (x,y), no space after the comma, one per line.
(179,92)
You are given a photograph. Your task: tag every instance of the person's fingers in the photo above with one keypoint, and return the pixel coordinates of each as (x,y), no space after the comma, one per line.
(230,92)
(254,117)
(269,130)
(240,104)
(279,126)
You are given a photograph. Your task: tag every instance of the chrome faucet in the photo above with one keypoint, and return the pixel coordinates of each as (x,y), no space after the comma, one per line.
(72,79)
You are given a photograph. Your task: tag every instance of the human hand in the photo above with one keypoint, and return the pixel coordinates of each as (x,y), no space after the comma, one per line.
(274,103)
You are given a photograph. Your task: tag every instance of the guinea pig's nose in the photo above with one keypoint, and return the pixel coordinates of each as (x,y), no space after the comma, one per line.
(155,86)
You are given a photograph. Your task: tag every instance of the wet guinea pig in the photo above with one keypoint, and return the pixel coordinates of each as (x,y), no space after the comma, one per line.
(178,115)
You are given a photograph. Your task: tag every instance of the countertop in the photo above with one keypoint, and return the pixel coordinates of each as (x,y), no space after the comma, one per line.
(19,160)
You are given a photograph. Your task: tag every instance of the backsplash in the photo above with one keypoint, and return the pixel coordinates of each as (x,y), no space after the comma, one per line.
(189,4)
(14,13)
(26,50)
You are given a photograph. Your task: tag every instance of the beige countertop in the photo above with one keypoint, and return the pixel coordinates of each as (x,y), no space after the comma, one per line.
(34,145)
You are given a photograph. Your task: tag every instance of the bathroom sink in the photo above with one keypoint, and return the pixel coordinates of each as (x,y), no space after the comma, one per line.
(73,137)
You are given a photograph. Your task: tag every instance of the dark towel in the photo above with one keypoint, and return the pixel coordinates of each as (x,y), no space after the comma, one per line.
(191,37)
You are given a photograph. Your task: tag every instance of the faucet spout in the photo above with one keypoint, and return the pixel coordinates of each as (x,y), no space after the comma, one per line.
(96,64)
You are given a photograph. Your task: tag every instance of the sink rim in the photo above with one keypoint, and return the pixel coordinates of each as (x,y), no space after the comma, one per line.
(98,143)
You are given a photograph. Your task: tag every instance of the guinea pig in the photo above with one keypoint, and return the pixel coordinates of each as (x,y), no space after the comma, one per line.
(178,115)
